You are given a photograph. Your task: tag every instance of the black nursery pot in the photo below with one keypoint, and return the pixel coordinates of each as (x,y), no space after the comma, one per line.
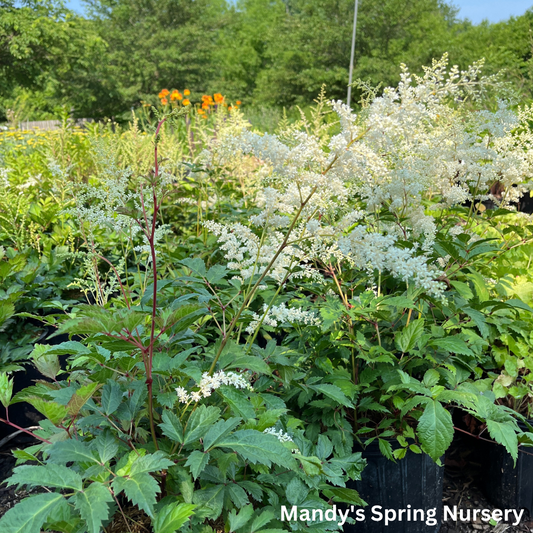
(506,486)
(411,484)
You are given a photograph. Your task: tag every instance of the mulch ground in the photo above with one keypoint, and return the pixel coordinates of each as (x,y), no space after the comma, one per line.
(462,487)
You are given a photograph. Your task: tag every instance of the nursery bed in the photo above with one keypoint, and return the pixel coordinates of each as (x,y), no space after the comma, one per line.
(461,488)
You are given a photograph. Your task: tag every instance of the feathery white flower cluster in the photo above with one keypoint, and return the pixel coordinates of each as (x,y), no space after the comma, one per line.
(210,383)
(281,435)
(4,176)
(407,146)
(105,204)
(281,314)
(246,253)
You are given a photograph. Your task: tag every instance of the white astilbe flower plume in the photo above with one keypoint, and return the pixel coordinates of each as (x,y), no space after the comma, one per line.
(414,145)
(210,383)
(281,314)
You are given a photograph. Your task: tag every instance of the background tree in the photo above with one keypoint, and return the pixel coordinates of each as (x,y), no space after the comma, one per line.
(265,52)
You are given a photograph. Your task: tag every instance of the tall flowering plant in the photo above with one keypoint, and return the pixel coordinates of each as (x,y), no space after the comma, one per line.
(376,228)
(162,417)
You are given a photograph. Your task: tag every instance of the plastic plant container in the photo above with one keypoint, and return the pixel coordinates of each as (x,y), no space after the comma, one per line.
(415,481)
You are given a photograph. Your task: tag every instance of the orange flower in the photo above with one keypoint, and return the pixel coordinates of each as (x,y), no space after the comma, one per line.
(186,102)
(218,98)
(163,93)
(238,102)
(207,99)
(186,92)
(176,95)
(164,101)
(205,105)
(201,111)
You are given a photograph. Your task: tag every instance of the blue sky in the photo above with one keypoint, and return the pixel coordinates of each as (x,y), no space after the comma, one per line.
(475,10)
(493,10)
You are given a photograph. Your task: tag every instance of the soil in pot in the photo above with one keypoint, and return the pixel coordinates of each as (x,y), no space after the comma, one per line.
(408,491)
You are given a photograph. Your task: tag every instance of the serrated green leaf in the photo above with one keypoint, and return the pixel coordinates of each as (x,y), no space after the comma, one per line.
(211,499)
(431,377)
(238,401)
(181,318)
(171,426)
(140,489)
(505,435)
(54,411)
(258,447)
(452,344)
(400,301)
(240,519)
(56,476)
(312,465)
(269,418)
(111,397)
(237,495)
(406,339)
(63,518)
(216,273)
(341,494)
(7,310)
(219,431)
(262,520)
(150,463)
(463,289)
(435,429)
(45,360)
(81,397)
(324,447)
(195,264)
(24,455)
(200,422)
(479,320)
(106,446)
(93,505)
(70,450)
(479,286)
(197,461)
(6,389)
(333,392)
(255,364)
(30,514)
(171,517)
(385,448)
(331,313)
(400,453)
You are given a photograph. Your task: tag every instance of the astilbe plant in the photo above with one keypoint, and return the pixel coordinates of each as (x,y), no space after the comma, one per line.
(160,407)
(379,223)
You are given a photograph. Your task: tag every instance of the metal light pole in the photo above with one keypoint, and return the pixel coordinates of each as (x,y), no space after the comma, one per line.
(352,54)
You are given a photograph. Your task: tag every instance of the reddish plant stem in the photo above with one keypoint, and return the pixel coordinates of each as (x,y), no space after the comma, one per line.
(151,240)
(478,437)
(24,430)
